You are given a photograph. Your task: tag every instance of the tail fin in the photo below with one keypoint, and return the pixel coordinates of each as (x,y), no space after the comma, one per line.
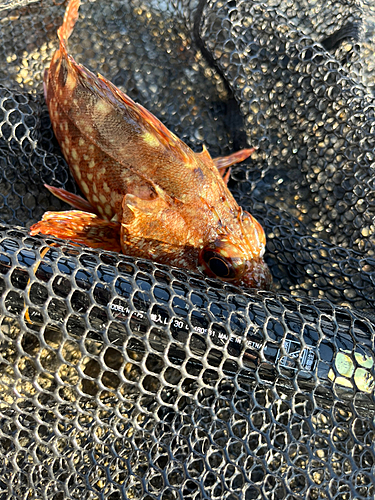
(70,18)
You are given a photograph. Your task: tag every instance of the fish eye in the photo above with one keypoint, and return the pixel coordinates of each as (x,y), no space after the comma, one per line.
(219,267)
(216,265)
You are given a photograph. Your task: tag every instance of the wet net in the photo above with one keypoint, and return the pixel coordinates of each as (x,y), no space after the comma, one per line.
(121,378)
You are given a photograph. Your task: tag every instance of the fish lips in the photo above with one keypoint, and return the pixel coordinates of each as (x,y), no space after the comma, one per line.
(257,275)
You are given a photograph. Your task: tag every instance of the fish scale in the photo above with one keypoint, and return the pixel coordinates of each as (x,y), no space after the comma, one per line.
(160,199)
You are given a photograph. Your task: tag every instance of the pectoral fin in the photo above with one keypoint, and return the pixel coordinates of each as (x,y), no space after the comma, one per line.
(80,227)
(223,162)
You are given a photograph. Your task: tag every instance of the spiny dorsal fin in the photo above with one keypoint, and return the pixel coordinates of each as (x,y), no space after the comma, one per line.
(205,156)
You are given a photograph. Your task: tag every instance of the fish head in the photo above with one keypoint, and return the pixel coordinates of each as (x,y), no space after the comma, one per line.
(237,256)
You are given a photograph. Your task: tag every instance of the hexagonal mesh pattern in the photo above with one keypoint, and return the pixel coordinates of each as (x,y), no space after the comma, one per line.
(121,378)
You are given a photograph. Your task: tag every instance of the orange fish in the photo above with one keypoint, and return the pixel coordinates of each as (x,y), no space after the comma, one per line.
(149,195)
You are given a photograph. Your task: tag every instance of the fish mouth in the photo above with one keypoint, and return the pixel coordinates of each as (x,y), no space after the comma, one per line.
(257,275)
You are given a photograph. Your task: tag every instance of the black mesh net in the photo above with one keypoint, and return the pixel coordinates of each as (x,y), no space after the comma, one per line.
(121,378)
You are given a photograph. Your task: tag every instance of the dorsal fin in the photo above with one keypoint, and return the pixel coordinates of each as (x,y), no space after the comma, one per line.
(205,156)
(161,132)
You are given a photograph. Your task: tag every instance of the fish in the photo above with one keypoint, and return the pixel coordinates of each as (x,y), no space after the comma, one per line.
(148,194)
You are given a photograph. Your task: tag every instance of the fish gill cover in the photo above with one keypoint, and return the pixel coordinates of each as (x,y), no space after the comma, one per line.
(122,378)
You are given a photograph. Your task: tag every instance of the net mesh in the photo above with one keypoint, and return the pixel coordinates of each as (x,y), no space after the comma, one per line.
(121,378)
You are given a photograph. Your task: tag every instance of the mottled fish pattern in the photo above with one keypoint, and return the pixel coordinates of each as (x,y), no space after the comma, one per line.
(148,194)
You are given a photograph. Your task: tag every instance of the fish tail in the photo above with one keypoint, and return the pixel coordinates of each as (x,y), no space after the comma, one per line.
(70,18)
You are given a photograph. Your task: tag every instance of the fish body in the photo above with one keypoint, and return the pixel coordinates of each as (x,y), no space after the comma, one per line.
(161,200)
